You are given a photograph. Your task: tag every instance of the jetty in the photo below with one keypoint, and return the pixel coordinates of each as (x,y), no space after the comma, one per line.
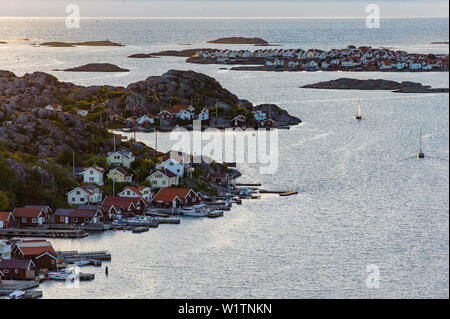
(92,255)
(38,232)
(9,286)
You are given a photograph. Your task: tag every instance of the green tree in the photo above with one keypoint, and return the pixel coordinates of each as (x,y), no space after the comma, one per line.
(4,201)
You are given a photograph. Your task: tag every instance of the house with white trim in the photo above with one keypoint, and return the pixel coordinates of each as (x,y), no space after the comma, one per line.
(54,107)
(82,112)
(172,165)
(259,115)
(140,191)
(5,249)
(122,158)
(160,178)
(146,118)
(84,195)
(93,175)
(203,115)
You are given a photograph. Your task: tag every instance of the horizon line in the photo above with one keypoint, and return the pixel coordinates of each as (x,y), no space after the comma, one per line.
(224,18)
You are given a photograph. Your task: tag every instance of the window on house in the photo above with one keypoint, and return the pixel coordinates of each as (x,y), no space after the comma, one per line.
(24,220)
(61,218)
(78,193)
(33,220)
(73,199)
(5,271)
(81,199)
(16,271)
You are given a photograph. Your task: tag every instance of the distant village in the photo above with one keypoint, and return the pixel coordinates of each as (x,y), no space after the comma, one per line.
(363,58)
(180,115)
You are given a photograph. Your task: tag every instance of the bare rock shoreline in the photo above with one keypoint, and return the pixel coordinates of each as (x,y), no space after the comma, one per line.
(375,84)
(241,40)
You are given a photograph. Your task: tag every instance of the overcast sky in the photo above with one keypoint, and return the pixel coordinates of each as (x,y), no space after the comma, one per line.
(222,8)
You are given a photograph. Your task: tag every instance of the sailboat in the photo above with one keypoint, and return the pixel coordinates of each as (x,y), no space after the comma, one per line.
(358,112)
(420,154)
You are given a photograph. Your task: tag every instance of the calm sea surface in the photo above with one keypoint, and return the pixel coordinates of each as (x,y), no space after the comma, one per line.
(363,199)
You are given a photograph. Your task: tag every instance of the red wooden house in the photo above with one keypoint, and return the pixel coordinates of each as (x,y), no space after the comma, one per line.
(41,252)
(239,121)
(82,215)
(31,217)
(17,269)
(219,178)
(6,220)
(176,197)
(124,206)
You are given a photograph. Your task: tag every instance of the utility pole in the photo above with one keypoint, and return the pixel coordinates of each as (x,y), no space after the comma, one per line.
(113,187)
(73,162)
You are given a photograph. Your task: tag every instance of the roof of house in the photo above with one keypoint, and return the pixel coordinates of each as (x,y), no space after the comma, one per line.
(28,212)
(97,168)
(123,202)
(35,247)
(89,207)
(217,175)
(178,108)
(162,171)
(83,213)
(121,171)
(15,263)
(63,212)
(4,216)
(169,194)
(133,189)
(123,153)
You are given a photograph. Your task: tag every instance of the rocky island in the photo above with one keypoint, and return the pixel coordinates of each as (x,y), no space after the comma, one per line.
(375,84)
(3,42)
(40,140)
(96,67)
(240,40)
(106,43)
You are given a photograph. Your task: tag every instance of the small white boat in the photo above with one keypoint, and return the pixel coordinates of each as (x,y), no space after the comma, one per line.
(139,220)
(62,275)
(195,211)
(18,294)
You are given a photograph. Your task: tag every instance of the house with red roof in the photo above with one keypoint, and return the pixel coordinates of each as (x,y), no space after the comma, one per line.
(139,191)
(165,115)
(162,177)
(31,216)
(219,178)
(84,214)
(17,269)
(41,252)
(6,220)
(176,197)
(93,175)
(183,112)
(85,194)
(124,206)
(239,121)
(54,107)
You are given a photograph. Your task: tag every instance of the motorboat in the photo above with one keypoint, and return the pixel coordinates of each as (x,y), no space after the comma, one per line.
(18,294)
(195,211)
(63,274)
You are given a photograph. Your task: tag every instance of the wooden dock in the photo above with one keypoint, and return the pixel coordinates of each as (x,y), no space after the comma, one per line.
(249,185)
(51,233)
(9,286)
(94,255)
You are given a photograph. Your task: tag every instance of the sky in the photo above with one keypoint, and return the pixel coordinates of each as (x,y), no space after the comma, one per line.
(223,8)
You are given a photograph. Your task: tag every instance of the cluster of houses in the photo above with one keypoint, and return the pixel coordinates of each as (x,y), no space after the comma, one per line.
(22,259)
(350,58)
(91,207)
(59,108)
(187,112)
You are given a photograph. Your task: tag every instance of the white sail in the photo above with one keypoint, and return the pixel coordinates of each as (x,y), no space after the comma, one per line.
(358,113)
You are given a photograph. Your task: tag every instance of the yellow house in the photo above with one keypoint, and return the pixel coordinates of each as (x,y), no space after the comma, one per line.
(120,175)
(161,178)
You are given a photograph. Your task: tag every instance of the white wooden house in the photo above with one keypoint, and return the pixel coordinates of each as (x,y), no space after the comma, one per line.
(93,175)
(122,158)
(84,195)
